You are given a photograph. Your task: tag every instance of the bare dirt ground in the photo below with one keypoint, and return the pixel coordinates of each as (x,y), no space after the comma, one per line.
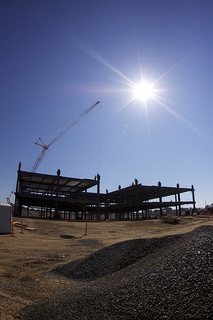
(25,258)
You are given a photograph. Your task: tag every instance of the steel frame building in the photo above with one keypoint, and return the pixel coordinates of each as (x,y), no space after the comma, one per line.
(59,197)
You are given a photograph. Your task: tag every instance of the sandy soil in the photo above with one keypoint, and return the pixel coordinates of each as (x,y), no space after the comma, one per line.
(26,258)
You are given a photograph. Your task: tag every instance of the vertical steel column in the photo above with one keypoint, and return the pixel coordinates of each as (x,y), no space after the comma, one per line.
(193,199)
(176,205)
(107,208)
(119,201)
(179,204)
(16,209)
(160,199)
(57,187)
(98,196)
(136,185)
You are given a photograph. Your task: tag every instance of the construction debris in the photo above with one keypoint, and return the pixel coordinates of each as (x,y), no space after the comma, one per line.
(18,224)
(30,229)
(165,219)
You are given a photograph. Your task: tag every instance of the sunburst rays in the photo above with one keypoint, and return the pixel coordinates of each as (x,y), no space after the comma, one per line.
(146,90)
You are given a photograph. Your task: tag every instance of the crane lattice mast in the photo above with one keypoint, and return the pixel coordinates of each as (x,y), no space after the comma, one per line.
(45,147)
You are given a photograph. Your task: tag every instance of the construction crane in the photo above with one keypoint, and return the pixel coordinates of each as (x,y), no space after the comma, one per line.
(45,147)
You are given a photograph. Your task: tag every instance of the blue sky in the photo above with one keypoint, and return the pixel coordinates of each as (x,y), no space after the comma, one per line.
(58,58)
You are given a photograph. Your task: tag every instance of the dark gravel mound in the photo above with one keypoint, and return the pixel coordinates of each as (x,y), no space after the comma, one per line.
(113,258)
(173,282)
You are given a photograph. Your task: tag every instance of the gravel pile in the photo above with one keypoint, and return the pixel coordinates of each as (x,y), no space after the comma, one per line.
(165,278)
(113,258)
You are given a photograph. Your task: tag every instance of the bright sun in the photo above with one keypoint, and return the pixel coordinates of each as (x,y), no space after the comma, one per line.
(144,91)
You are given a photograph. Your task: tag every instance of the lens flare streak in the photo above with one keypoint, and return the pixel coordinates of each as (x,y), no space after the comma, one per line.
(144,91)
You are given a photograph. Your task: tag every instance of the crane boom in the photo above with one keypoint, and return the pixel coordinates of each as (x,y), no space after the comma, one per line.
(46,147)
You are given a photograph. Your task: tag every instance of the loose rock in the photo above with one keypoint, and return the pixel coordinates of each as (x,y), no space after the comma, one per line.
(160,278)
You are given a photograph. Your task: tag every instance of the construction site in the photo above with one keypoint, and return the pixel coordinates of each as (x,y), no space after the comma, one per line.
(143,265)
(59,197)
(73,252)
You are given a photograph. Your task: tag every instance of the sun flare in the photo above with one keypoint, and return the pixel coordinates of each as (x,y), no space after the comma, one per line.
(144,91)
